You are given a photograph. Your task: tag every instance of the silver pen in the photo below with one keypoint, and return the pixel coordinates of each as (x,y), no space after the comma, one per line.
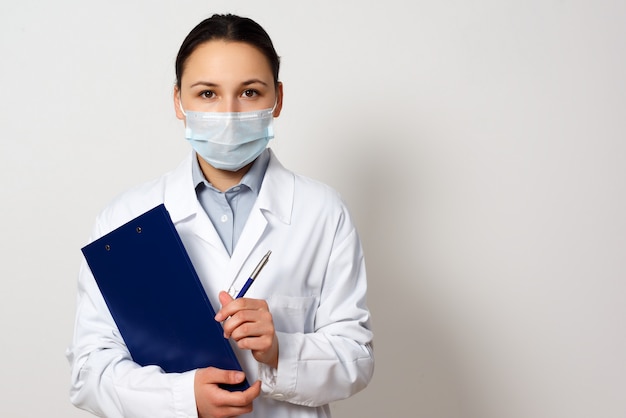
(255,273)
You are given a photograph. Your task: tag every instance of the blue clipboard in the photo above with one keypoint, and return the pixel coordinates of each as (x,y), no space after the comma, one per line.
(156,299)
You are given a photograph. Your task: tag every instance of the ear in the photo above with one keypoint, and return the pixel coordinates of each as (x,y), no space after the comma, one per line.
(177,105)
(279,100)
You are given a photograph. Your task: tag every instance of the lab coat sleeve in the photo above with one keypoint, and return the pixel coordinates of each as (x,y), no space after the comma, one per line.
(336,360)
(105,380)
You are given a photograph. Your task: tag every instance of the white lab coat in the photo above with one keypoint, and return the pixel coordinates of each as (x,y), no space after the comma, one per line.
(315,286)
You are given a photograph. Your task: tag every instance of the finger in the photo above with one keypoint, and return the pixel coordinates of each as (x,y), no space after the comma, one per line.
(236,305)
(229,306)
(238,403)
(241,399)
(262,341)
(225,298)
(237,320)
(249,324)
(258,339)
(213,375)
(253,391)
(212,400)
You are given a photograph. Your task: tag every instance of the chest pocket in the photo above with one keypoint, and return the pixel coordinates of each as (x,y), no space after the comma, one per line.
(293,314)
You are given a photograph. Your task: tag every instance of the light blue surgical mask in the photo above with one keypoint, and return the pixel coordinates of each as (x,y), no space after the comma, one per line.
(229,140)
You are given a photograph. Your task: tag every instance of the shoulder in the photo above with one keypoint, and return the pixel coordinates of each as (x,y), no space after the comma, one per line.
(311,198)
(137,200)
(313,191)
(306,184)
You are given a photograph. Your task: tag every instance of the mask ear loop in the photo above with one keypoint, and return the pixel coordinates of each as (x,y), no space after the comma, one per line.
(275,103)
(180,105)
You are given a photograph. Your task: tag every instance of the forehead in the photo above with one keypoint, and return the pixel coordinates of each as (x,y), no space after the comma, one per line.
(223,61)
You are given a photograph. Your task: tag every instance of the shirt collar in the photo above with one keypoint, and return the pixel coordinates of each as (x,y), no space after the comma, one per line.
(275,196)
(253,178)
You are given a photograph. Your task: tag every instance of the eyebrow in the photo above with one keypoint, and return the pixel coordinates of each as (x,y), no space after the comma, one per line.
(245,83)
(254,81)
(203,83)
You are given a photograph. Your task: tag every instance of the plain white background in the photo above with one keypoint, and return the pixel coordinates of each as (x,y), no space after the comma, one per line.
(479,144)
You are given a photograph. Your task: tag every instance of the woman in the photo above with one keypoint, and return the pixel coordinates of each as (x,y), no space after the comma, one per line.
(302,330)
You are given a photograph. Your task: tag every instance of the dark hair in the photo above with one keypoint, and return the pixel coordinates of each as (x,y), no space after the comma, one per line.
(230,28)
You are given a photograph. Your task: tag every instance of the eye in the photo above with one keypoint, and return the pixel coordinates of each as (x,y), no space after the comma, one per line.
(249,93)
(207,94)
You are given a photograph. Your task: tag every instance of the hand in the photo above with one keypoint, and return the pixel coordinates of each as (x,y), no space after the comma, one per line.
(251,325)
(215,402)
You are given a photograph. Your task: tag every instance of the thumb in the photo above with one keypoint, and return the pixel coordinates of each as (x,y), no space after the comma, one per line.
(219,376)
(225,298)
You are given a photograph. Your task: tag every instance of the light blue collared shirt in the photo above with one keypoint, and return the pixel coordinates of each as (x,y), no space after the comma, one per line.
(229,210)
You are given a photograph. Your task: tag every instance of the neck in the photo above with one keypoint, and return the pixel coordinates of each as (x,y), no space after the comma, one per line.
(222,180)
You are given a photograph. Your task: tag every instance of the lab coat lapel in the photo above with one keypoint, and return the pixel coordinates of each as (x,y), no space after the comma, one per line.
(179,195)
(182,204)
(245,248)
(275,202)
(204,229)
